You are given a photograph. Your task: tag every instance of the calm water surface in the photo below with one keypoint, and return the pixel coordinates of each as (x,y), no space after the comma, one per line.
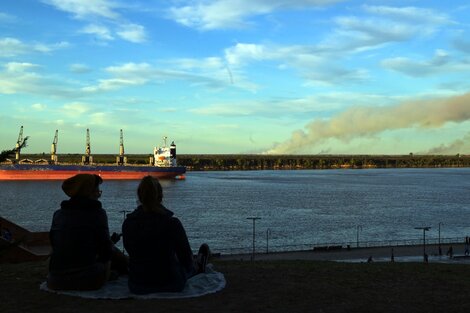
(296,207)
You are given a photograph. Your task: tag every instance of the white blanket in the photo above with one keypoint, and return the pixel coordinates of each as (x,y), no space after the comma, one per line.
(199,285)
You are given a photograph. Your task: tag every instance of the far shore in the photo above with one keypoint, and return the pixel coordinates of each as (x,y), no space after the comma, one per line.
(227,162)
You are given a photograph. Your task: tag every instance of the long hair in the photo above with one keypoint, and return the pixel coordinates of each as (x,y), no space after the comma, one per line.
(150,193)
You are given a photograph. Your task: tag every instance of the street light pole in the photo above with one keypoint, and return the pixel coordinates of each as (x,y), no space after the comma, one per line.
(268,233)
(425,229)
(440,250)
(124,212)
(358,227)
(253,246)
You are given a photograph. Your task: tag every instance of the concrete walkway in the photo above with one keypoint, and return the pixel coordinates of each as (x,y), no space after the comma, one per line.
(400,253)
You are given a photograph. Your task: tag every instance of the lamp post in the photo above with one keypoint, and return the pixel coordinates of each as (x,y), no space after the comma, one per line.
(268,233)
(253,246)
(358,227)
(124,212)
(425,229)
(440,250)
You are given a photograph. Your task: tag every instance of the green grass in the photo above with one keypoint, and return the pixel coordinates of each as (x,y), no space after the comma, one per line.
(274,286)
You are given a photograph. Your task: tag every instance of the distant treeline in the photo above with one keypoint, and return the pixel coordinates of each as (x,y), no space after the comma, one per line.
(210,162)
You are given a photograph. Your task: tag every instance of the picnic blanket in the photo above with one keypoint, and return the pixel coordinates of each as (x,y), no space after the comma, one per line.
(196,286)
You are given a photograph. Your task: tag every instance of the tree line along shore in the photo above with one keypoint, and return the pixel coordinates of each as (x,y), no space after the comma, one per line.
(211,162)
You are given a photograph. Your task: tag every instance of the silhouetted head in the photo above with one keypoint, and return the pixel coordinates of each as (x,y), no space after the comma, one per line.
(83,185)
(150,193)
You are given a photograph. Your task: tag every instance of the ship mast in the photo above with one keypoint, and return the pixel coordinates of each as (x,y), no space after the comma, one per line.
(54,147)
(87,158)
(19,142)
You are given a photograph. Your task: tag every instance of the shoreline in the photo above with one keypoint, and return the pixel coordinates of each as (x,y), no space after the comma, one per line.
(235,162)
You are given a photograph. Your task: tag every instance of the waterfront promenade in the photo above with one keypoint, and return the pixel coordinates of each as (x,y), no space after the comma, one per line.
(409,253)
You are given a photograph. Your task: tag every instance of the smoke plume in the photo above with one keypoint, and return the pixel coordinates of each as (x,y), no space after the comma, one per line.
(454,147)
(360,121)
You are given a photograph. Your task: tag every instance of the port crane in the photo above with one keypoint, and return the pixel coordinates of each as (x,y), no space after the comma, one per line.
(19,144)
(121,159)
(54,148)
(87,158)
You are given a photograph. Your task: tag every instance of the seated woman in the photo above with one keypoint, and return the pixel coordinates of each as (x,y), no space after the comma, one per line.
(160,258)
(82,249)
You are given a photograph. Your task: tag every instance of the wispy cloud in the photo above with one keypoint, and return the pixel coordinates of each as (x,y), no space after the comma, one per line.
(361,121)
(23,77)
(411,15)
(132,32)
(86,9)
(6,18)
(319,63)
(441,62)
(100,31)
(75,108)
(79,68)
(275,108)
(11,47)
(217,14)
(209,72)
(106,21)
(38,107)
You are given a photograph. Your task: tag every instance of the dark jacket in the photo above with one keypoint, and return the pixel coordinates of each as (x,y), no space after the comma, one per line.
(79,235)
(160,258)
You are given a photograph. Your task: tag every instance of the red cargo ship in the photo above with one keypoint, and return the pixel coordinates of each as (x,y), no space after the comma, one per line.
(162,165)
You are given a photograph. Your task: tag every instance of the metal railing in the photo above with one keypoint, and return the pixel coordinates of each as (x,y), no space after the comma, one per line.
(339,245)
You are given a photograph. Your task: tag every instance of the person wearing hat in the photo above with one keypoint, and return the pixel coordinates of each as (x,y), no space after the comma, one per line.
(82,249)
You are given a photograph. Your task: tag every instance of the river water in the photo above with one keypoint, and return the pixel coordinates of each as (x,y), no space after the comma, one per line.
(296,208)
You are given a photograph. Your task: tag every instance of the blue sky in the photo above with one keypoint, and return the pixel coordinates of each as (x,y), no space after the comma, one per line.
(240,76)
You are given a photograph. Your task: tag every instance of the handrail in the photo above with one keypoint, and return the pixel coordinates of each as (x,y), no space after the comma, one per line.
(352,244)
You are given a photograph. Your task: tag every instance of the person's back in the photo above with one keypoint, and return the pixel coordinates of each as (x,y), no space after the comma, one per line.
(160,258)
(79,235)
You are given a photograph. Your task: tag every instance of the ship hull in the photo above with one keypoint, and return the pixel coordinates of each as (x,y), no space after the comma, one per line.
(107,172)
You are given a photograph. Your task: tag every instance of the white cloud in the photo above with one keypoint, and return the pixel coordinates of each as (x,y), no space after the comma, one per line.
(441,62)
(45,48)
(17,78)
(290,106)
(101,32)
(75,108)
(209,72)
(409,14)
(79,68)
(86,9)
(244,52)
(39,107)
(320,64)
(113,84)
(16,67)
(216,14)
(99,118)
(105,21)
(10,47)
(133,33)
